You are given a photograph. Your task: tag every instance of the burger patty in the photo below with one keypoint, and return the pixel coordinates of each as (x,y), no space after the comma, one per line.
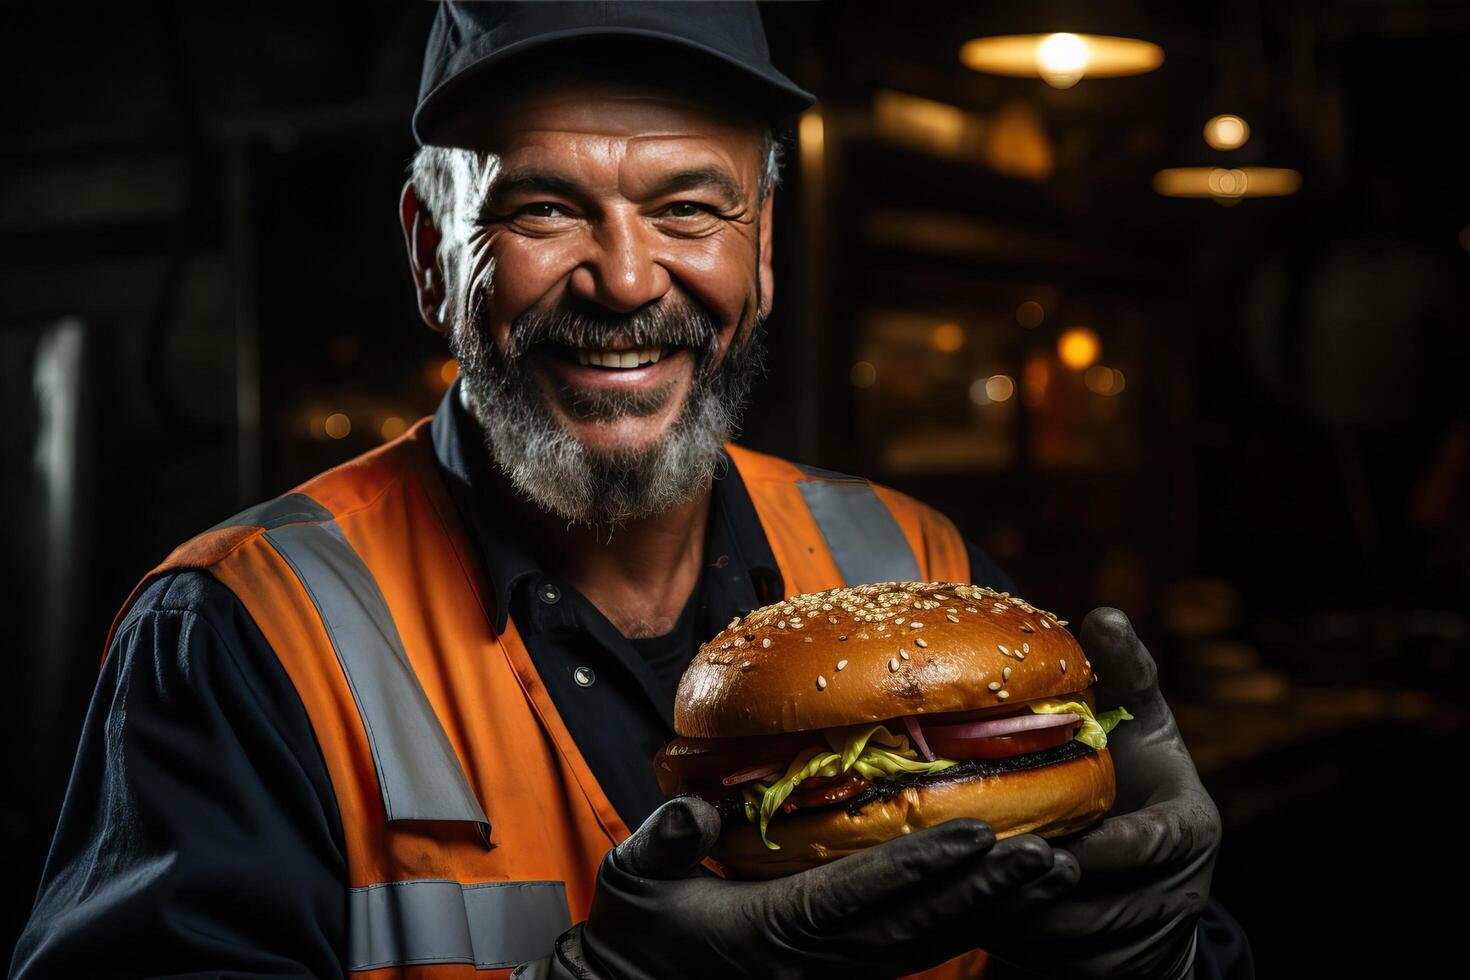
(886,789)
(733,807)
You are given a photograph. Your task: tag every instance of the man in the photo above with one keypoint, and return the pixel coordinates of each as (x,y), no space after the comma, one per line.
(399,721)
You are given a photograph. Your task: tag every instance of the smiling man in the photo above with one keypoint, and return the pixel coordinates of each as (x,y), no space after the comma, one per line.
(400,720)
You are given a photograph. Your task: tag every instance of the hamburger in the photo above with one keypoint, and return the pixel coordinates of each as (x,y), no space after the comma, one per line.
(834,721)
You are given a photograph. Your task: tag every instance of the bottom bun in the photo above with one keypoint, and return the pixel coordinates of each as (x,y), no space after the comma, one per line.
(1051,801)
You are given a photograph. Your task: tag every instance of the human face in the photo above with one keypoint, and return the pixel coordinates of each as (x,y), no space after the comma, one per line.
(611,202)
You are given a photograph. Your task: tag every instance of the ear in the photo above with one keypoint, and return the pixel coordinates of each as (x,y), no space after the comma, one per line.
(765,272)
(421,237)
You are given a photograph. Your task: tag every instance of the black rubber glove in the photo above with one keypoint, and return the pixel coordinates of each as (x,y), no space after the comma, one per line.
(896,908)
(1146,870)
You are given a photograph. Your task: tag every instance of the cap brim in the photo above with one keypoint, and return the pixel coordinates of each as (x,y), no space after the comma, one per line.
(782,98)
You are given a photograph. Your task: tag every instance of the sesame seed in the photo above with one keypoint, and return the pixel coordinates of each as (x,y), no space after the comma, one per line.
(914,624)
(898,621)
(941,595)
(1027,628)
(994,685)
(789,610)
(1020,655)
(781,625)
(1064,666)
(1002,694)
(893,664)
(733,623)
(842,637)
(919,641)
(1025,648)
(904,654)
(766,643)
(832,620)
(841,664)
(1045,624)
(953,619)
(1005,674)
(971,609)
(1003,649)
(821,683)
(796,626)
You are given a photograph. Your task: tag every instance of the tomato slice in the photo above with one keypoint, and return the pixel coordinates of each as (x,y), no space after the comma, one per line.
(997,746)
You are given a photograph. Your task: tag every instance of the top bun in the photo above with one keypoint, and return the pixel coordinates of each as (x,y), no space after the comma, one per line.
(874,652)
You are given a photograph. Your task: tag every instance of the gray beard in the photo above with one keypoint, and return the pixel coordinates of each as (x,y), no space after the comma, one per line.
(560,475)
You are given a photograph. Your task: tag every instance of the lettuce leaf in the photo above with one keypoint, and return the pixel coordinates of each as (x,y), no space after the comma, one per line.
(1095,728)
(872,750)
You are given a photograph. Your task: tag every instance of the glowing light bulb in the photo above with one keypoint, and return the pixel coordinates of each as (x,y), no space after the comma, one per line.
(1062,59)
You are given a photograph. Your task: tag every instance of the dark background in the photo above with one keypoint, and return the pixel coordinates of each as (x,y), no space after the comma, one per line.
(200,262)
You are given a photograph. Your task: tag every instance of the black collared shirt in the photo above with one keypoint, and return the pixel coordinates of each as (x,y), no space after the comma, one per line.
(200,833)
(600,681)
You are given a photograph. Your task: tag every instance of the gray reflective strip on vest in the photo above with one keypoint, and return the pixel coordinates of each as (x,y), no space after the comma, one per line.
(492,925)
(419,775)
(863,537)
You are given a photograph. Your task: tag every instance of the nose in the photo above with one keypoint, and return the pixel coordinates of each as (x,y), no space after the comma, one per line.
(621,271)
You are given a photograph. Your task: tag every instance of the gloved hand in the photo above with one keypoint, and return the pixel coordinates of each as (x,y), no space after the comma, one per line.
(896,908)
(1145,871)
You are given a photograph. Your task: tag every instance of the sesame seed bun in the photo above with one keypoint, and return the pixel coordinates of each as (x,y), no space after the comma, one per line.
(874,652)
(883,652)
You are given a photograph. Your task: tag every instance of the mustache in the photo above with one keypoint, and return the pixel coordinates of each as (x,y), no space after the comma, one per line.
(672,324)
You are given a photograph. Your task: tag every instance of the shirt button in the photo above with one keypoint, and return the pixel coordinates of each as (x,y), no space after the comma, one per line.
(549,593)
(722,561)
(584,676)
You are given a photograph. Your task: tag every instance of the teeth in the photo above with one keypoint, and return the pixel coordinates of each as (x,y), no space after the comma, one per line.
(620,359)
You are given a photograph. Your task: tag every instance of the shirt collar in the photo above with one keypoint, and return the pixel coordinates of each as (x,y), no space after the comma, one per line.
(738,553)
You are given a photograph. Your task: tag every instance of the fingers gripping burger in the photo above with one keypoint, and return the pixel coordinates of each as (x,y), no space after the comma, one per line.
(833,721)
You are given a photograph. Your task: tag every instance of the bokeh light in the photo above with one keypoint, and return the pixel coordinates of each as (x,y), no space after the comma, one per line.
(1079,348)
(863,375)
(947,338)
(1227,132)
(1030,314)
(392,428)
(337,426)
(999,387)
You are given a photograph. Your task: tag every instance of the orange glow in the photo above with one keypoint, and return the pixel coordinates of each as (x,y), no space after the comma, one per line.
(864,375)
(1016,143)
(999,388)
(1078,348)
(1061,59)
(935,127)
(1035,377)
(1227,132)
(448,371)
(1227,184)
(1030,314)
(337,425)
(392,428)
(947,338)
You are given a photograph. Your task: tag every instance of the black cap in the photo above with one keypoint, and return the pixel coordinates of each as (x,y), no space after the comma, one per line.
(467,39)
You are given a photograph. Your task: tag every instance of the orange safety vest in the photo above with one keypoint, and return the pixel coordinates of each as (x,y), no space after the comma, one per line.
(473,826)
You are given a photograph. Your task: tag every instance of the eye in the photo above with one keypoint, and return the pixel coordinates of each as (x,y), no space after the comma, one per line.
(687,209)
(542,209)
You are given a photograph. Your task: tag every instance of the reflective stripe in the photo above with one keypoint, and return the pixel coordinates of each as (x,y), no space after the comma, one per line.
(419,775)
(865,540)
(292,508)
(492,925)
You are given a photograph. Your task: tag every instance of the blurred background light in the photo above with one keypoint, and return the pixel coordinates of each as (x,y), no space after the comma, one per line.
(864,374)
(1061,59)
(1103,380)
(1078,348)
(1225,183)
(1000,387)
(392,428)
(1227,132)
(947,338)
(1030,314)
(337,426)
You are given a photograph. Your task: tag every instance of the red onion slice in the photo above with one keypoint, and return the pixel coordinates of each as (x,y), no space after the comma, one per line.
(1006,726)
(917,737)
(753,773)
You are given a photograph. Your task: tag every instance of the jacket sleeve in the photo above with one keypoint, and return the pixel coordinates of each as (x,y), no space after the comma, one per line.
(199,833)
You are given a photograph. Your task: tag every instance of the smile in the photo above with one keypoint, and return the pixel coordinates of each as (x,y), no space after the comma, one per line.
(619,359)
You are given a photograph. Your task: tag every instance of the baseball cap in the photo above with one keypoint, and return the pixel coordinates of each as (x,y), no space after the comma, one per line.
(470,39)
